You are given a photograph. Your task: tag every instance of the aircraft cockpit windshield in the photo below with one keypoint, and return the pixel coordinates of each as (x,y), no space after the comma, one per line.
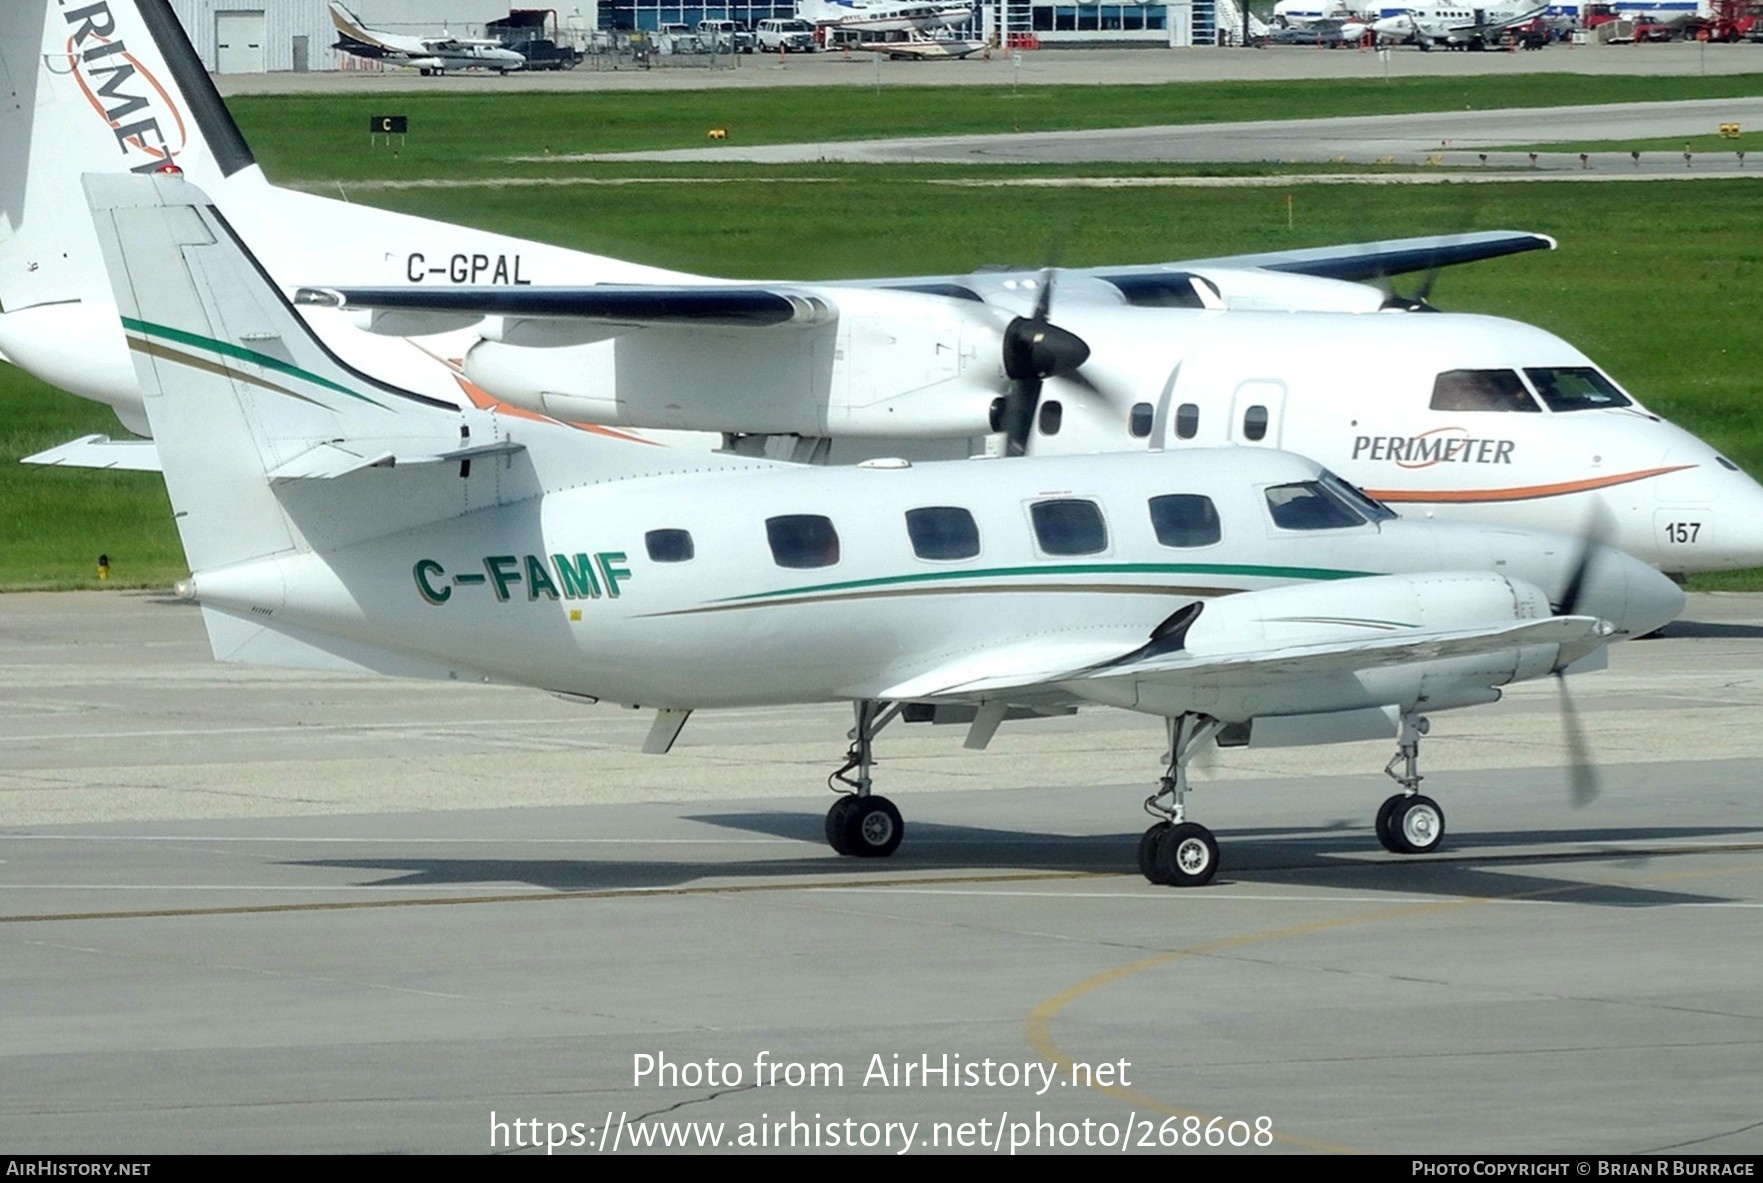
(1575,388)
(1358,498)
(1561,388)
(1311,505)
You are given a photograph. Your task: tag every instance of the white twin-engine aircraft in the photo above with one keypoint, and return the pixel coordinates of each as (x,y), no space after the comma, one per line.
(1245,596)
(884,16)
(1444,415)
(428,55)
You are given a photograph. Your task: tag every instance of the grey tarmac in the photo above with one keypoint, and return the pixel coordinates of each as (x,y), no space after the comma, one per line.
(250,910)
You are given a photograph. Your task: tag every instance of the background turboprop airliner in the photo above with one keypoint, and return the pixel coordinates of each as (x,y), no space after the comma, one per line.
(785,367)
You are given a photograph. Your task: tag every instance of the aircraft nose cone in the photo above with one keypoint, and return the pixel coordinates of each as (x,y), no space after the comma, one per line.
(1628,593)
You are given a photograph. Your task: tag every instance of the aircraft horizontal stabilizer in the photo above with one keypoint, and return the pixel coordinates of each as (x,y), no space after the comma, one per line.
(328,461)
(100,451)
(698,306)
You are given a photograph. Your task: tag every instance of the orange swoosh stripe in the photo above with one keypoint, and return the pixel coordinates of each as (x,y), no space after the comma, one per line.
(1518,492)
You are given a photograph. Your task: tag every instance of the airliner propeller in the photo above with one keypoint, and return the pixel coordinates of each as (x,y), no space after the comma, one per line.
(1035,349)
(1582,773)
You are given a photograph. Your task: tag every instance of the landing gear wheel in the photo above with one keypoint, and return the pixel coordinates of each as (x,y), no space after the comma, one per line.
(1148,866)
(838,824)
(873,828)
(1383,824)
(1187,855)
(1416,825)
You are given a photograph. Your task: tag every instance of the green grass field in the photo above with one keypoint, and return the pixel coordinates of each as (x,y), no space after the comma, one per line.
(1660,282)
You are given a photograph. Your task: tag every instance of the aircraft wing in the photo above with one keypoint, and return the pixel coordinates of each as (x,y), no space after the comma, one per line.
(695,305)
(1374,260)
(716,304)
(969,678)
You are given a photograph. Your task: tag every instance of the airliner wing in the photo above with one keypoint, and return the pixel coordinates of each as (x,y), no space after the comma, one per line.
(714,304)
(697,305)
(1375,260)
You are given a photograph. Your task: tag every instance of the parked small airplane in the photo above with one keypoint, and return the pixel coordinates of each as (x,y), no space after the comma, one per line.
(334,521)
(884,16)
(918,47)
(787,366)
(429,55)
(1452,26)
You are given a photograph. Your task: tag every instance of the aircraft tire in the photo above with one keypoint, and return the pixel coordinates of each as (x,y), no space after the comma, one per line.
(1383,824)
(838,820)
(873,828)
(1148,866)
(1187,855)
(1417,825)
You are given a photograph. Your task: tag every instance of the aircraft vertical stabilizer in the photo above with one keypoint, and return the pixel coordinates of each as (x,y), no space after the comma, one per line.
(241,397)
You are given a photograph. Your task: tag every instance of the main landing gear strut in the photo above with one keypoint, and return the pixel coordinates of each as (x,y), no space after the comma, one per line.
(1409,822)
(861,823)
(1175,851)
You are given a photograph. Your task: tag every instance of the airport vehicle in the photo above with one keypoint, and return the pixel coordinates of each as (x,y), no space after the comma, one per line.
(534,35)
(427,55)
(1449,26)
(334,521)
(784,368)
(785,35)
(884,16)
(724,36)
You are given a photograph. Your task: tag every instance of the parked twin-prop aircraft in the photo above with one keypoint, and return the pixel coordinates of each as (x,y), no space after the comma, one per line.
(885,16)
(428,55)
(1445,415)
(334,521)
(1454,26)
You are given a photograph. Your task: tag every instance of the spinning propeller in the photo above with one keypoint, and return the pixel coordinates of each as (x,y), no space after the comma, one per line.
(1035,349)
(1582,773)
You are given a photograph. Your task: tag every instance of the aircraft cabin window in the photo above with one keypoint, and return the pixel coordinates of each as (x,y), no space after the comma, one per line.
(942,532)
(1069,527)
(1481,390)
(1309,506)
(669,546)
(1187,421)
(1255,423)
(1138,423)
(1185,519)
(1052,416)
(1575,388)
(802,540)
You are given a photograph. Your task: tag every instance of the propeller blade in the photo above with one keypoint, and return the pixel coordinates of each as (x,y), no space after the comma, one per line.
(1035,349)
(1581,772)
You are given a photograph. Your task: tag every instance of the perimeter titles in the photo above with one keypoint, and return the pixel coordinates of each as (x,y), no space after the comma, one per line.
(527,577)
(137,108)
(1441,445)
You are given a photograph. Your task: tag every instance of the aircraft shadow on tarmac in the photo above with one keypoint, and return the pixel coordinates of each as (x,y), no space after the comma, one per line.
(1704,629)
(1342,857)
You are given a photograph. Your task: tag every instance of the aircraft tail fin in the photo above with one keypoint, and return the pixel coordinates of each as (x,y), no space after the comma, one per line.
(108,85)
(244,401)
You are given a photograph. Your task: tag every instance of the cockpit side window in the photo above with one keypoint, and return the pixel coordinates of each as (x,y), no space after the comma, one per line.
(1575,388)
(1481,390)
(1309,505)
